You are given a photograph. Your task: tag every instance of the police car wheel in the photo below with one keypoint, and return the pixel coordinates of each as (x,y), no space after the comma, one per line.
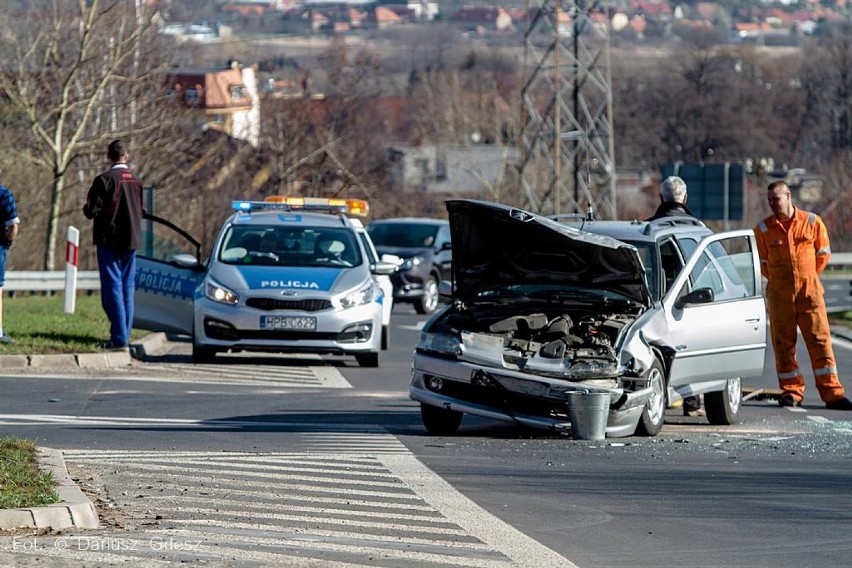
(385,337)
(367,359)
(202,354)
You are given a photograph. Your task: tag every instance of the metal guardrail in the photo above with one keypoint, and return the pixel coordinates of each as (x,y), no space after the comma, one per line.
(839,260)
(49,281)
(88,280)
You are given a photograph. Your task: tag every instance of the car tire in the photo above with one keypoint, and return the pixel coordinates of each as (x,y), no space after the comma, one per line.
(368,359)
(203,354)
(653,413)
(723,407)
(440,421)
(385,337)
(428,302)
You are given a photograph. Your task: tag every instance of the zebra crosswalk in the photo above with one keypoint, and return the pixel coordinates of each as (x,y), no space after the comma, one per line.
(244,375)
(345,504)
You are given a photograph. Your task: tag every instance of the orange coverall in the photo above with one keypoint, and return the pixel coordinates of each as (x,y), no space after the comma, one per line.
(793,253)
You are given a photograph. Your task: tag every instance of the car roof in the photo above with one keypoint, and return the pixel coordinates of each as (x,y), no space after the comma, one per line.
(280,217)
(641,231)
(421,220)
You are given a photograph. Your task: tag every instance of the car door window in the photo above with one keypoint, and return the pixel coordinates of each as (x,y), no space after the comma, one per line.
(164,241)
(725,267)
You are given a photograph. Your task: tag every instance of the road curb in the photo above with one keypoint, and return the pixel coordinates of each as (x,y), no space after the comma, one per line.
(148,345)
(141,349)
(74,509)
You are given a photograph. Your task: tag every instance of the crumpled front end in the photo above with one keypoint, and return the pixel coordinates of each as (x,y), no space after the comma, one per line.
(522,368)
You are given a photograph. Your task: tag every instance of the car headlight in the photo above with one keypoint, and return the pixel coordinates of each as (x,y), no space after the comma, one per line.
(218,293)
(410,263)
(439,343)
(363,295)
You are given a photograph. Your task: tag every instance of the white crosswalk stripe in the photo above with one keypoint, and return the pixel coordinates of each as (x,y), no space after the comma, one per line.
(362,507)
(281,376)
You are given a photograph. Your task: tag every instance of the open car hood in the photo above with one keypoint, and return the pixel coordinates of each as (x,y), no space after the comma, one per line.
(497,245)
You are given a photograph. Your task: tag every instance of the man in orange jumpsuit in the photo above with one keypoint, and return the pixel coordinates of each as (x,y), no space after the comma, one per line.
(794,249)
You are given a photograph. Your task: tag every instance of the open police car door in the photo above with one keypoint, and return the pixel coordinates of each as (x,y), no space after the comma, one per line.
(168,271)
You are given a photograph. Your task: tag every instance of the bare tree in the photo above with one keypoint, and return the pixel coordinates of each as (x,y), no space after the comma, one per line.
(71,73)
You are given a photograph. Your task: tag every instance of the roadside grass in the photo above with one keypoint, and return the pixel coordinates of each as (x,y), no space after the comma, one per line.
(22,484)
(39,325)
(841,318)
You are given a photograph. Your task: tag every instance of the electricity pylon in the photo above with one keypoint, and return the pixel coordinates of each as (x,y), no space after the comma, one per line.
(567,156)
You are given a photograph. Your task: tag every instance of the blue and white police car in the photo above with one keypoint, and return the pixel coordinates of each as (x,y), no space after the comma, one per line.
(283,275)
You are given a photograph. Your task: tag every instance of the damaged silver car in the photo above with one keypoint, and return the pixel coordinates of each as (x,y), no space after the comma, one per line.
(646,312)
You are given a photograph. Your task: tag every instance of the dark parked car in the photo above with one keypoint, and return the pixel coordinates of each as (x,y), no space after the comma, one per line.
(424,246)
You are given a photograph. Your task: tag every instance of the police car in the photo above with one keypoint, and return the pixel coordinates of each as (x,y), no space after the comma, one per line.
(283,275)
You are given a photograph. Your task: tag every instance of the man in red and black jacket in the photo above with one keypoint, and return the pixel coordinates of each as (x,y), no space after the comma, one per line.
(115,204)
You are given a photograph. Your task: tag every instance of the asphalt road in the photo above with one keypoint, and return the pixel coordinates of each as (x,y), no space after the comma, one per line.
(266,460)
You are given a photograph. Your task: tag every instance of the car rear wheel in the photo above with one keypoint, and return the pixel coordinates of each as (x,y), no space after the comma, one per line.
(723,407)
(651,421)
(367,359)
(428,302)
(203,354)
(385,337)
(440,421)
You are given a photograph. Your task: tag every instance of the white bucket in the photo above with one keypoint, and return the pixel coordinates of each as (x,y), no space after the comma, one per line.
(588,412)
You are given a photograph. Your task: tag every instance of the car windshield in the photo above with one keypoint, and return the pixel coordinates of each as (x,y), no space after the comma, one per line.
(403,235)
(289,246)
(551,293)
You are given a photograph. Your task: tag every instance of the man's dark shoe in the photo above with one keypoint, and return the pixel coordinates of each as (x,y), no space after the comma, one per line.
(789,400)
(839,404)
(5,339)
(110,345)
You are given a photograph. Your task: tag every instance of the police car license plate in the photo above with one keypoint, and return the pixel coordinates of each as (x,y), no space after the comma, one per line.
(287,322)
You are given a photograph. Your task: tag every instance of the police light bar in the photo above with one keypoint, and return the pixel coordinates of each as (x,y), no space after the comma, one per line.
(356,207)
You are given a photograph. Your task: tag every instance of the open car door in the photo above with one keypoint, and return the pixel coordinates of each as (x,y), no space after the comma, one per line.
(716,311)
(168,271)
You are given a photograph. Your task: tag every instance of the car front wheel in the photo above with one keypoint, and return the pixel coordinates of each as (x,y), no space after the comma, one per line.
(440,421)
(723,407)
(651,421)
(428,302)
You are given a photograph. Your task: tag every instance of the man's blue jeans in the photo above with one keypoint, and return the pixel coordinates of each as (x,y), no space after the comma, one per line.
(118,272)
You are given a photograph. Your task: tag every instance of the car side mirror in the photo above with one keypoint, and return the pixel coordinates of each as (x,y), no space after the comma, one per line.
(383,267)
(446,246)
(698,296)
(184,260)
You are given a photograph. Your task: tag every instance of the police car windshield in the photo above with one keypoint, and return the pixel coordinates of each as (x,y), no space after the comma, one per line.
(290,246)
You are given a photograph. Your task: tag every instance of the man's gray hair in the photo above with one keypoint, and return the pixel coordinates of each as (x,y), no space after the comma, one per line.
(673,188)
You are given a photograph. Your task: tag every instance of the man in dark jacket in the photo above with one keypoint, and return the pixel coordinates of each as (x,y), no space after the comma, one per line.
(673,204)
(8,230)
(115,204)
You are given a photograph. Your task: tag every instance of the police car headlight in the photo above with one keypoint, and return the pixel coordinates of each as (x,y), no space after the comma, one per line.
(363,295)
(439,343)
(219,293)
(410,263)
